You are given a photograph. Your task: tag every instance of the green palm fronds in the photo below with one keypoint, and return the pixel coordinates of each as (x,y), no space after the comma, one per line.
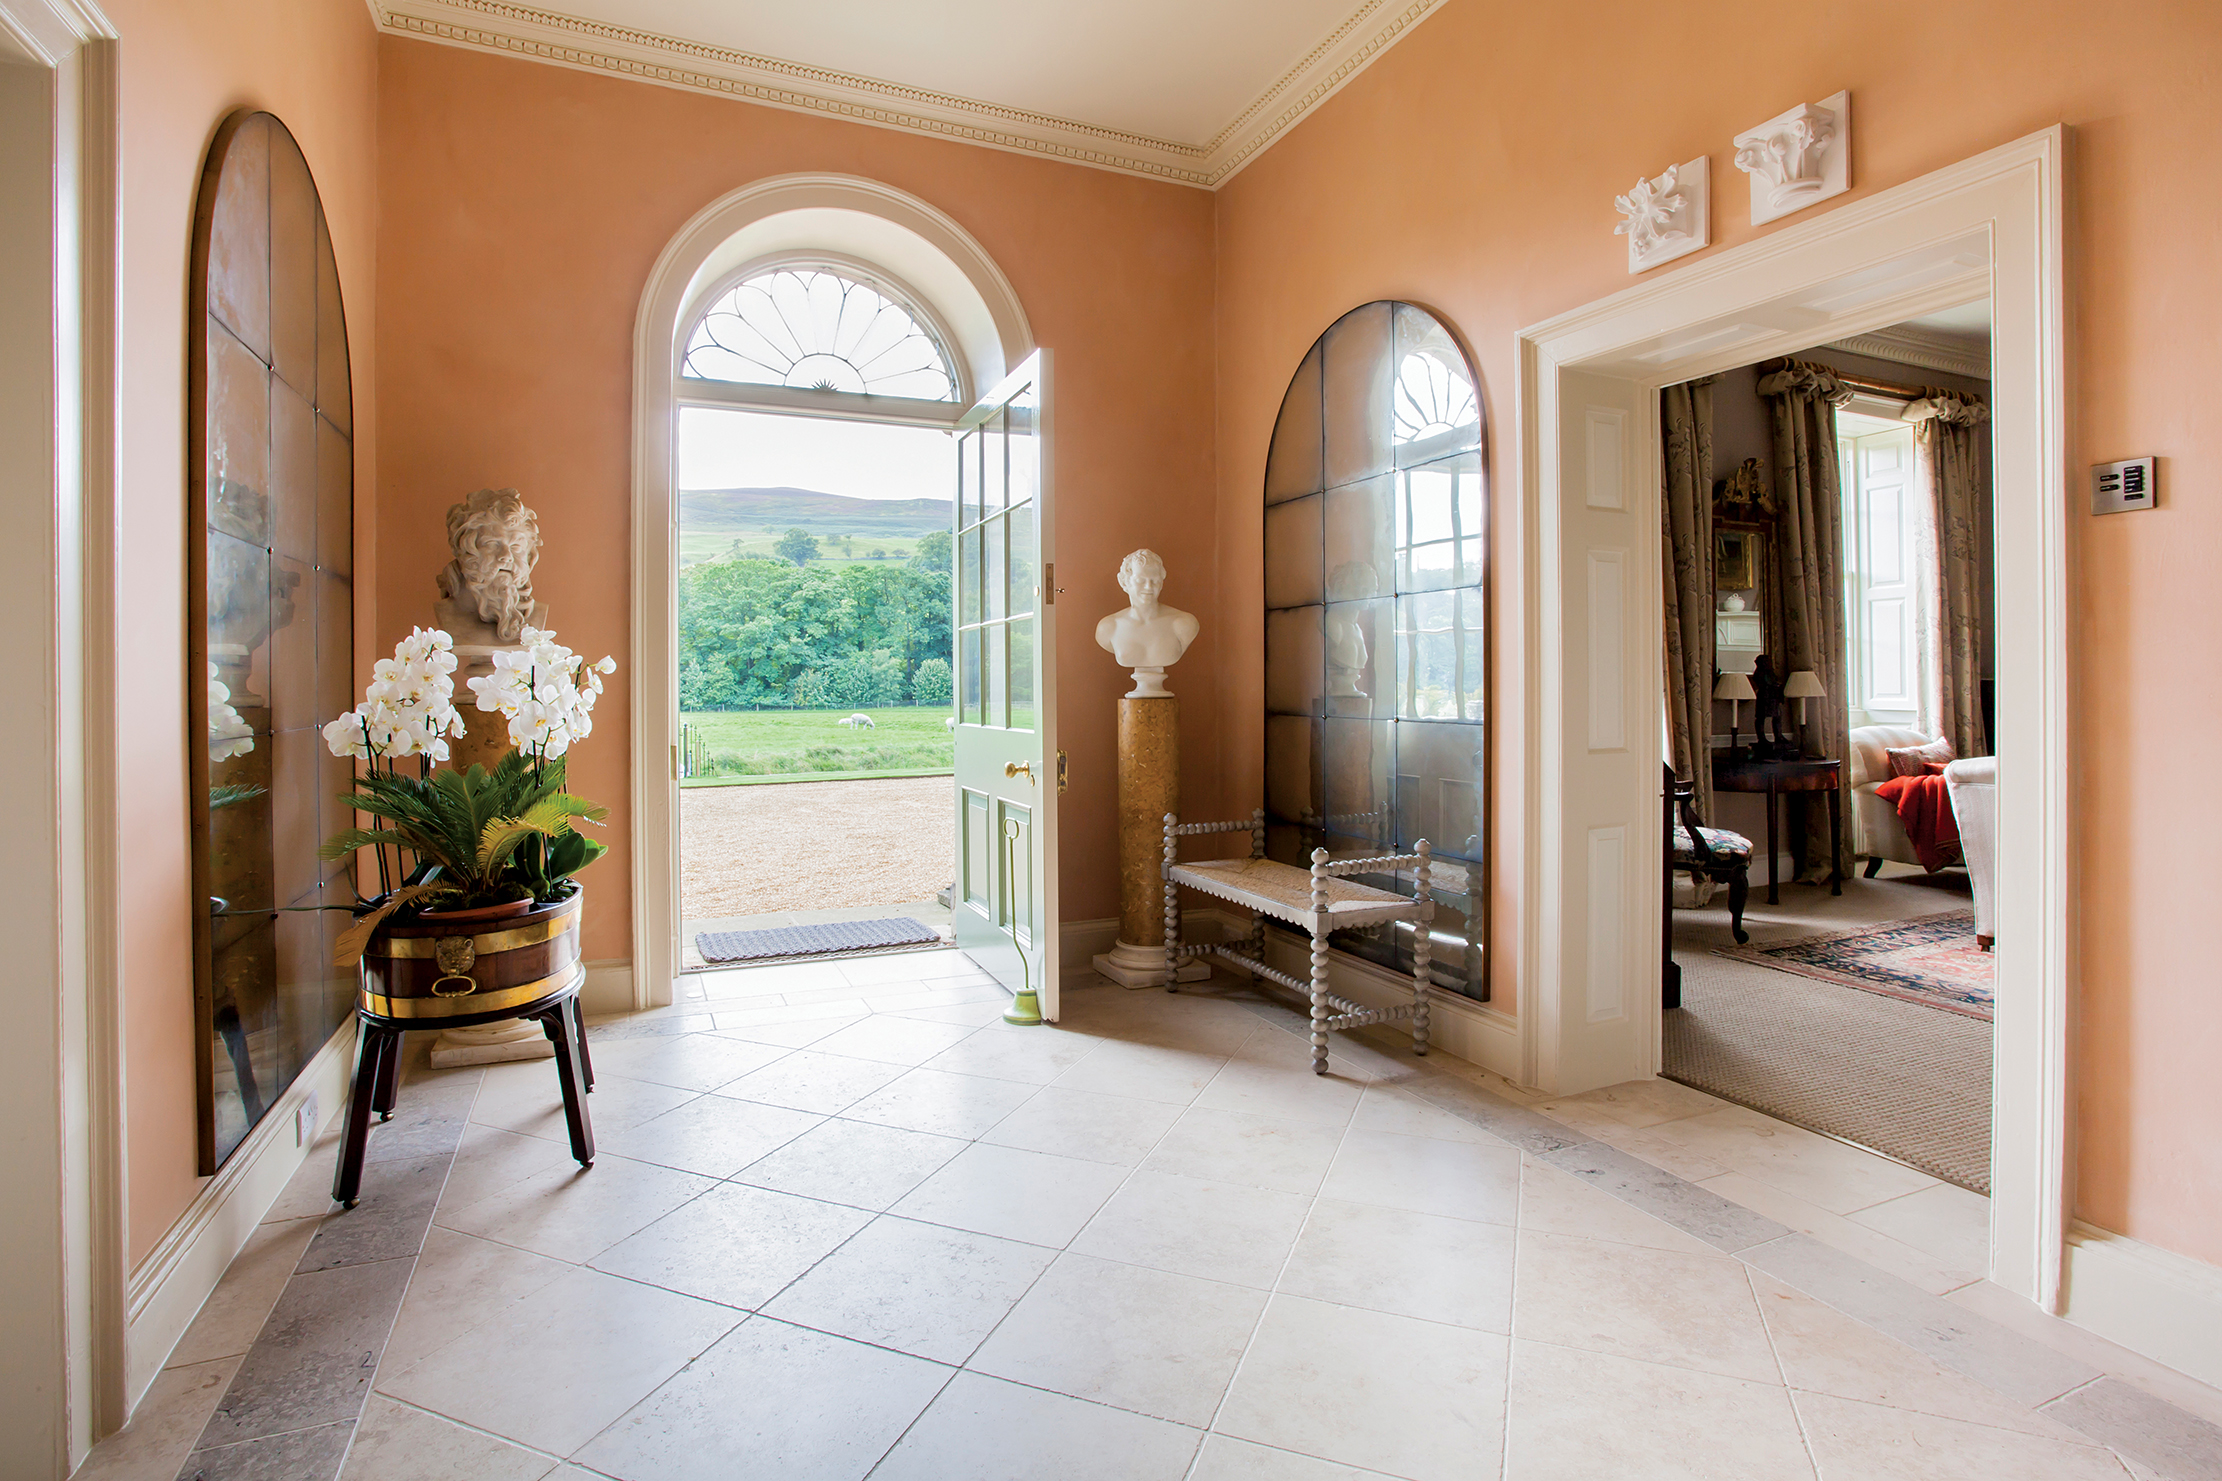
(490,835)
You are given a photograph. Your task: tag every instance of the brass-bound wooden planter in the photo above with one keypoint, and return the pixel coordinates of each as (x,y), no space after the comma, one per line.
(430,971)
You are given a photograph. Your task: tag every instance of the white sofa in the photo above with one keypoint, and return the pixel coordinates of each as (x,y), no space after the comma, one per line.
(1973,786)
(1876,832)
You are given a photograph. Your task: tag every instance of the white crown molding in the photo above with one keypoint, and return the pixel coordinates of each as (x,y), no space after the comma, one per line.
(1904,345)
(597,46)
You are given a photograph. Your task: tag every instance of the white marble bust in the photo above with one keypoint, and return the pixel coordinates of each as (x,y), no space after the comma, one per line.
(1148,637)
(486,595)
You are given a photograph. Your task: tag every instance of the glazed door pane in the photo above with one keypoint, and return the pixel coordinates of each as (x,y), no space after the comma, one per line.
(1005,915)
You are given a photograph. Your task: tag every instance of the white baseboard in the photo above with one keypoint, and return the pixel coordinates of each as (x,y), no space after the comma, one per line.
(2165,1306)
(167,1290)
(609,986)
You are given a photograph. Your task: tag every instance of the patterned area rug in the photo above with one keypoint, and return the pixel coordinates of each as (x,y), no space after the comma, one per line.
(1933,961)
(847,935)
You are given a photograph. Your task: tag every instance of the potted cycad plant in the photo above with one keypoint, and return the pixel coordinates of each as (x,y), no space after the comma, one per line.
(458,852)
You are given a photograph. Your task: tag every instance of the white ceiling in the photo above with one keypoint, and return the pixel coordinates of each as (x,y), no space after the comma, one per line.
(1174,70)
(1187,90)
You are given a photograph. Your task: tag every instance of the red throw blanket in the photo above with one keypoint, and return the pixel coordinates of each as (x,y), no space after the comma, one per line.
(1925,807)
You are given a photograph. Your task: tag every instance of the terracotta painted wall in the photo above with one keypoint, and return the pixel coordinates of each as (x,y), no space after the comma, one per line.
(184,68)
(524,205)
(1472,169)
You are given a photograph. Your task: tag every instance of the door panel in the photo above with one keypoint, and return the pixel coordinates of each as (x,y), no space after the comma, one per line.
(1006,912)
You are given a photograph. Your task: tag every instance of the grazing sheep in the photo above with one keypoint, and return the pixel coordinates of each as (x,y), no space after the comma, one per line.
(949,722)
(858,722)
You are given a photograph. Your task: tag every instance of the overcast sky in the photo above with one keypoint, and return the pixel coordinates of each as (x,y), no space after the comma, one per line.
(864,460)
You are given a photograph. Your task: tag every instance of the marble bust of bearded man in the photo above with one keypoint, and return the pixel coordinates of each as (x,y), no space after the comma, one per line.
(486,595)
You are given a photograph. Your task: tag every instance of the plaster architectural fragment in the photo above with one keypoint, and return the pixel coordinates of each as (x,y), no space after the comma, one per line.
(1798,157)
(1666,216)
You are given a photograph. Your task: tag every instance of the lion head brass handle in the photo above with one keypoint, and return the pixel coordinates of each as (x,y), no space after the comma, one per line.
(1013,768)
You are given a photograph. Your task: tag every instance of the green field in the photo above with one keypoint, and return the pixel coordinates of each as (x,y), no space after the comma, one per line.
(696,546)
(737,744)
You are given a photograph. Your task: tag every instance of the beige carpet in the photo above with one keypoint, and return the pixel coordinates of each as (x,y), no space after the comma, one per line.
(1909,1081)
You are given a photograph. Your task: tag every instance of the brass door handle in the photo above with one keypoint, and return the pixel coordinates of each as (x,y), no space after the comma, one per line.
(1013,768)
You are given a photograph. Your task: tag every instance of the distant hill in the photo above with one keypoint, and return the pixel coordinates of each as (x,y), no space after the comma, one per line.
(779,510)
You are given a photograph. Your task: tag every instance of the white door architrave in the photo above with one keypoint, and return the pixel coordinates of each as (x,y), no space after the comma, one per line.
(1588,969)
(842,218)
(62,1373)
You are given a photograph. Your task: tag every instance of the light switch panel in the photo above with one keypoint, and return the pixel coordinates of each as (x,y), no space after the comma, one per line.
(2118,487)
(304,1124)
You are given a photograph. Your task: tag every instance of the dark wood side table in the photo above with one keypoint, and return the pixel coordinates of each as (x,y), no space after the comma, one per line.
(1775,778)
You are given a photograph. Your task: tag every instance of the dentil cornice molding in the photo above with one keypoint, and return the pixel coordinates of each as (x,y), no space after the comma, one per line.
(1905,344)
(597,46)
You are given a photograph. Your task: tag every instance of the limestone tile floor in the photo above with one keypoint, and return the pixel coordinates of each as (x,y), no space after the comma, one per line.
(847,1223)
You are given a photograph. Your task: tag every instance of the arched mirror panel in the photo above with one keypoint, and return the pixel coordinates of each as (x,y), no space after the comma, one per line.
(270,647)
(1376,633)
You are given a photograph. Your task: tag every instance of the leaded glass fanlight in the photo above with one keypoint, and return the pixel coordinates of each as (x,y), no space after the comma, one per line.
(1376,596)
(816,329)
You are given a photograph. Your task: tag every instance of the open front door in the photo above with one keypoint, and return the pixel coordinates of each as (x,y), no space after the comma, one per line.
(1006,633)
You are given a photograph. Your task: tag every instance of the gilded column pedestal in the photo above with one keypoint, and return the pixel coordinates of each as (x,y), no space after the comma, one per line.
(1149,788)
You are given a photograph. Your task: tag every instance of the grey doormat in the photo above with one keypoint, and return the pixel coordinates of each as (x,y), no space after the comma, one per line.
(1899,1077)
(846,935)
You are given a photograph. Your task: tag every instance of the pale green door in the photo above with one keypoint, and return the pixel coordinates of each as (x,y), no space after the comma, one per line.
(1006,896)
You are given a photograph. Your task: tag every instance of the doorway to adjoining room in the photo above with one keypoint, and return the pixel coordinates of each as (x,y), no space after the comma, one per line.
(815,747)
(1828,697)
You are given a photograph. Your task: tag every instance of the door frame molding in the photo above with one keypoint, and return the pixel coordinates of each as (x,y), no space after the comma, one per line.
(67,1374)
(1999,218)
(876,225)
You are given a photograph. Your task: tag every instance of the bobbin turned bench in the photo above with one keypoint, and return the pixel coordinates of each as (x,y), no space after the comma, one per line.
(1317,901)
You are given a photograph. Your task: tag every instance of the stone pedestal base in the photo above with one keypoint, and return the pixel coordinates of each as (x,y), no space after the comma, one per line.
(1144,966)
(499,1043)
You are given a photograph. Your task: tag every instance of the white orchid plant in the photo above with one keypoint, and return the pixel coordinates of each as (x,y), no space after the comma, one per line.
(475,837)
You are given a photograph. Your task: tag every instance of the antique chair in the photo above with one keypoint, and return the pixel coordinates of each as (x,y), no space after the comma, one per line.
(1705,853)
(1972,784)
(1876,832)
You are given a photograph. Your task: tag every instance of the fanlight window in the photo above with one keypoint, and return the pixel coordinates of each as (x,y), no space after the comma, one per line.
(816,330)
(1432,397)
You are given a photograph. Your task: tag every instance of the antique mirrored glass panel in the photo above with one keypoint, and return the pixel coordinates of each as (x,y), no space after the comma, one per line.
(1376,643)
(271,648)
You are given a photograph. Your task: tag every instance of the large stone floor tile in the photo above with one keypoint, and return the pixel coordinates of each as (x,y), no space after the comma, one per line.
(553,1371)
(1875,1443)
(736,1244)
(573,1213)
(1406,1263)
(1079,1123)
(1029,1196)
(982,1429)
(918,1288)
(853,1162)
(941,1103)
(713,1135)
(1415,1399)
(771,1400)
(1426,1175)
(1243,1147)
(1584,1416)
(1689,1311)
(394,1442)
(1156,1343)
(1190,1226)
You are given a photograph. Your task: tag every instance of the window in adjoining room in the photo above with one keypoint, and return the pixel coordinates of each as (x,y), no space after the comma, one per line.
(1376,642)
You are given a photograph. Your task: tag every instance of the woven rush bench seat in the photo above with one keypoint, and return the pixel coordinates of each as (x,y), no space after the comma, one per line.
(1317,901)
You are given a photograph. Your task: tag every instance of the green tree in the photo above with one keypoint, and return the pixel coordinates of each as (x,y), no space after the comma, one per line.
(848,547)
(930,685)
(932,553)
(797,545)
(879,553)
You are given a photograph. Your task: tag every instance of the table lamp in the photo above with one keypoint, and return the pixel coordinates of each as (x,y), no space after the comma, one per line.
(1735,688)
(1802,686)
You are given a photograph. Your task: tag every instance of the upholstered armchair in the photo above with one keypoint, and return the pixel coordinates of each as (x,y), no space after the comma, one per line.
(1876,832)
(1972,784)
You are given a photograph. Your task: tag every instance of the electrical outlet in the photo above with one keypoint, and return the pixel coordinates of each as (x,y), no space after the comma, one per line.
(304,1122)
(2117,487)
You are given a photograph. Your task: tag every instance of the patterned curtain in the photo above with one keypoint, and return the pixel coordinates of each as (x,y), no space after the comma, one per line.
(1947,460)
(1686,543)
(1803,399)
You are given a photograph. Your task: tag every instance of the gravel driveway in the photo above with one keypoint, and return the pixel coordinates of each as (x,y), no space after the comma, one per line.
(814,845)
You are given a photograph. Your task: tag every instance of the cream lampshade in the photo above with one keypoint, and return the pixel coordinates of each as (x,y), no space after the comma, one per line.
(1802,686)
(1735,688)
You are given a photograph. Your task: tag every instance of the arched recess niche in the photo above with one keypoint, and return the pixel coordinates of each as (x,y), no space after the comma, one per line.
(271,637)
(1377,693)
(843,221)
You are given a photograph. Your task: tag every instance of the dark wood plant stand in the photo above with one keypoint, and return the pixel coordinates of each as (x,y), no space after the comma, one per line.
(378,1073)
